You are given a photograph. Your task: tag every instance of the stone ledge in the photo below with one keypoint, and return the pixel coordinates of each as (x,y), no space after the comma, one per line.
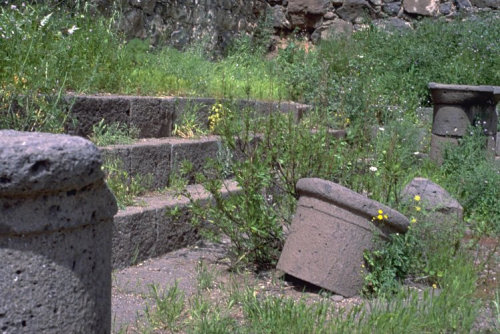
(162,157)
(155,117)
(143,232)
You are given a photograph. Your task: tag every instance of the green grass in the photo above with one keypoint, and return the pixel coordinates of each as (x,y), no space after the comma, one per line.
(372,79)
(246,309)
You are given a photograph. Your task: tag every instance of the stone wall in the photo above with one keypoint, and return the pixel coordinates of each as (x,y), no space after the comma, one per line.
(214,23)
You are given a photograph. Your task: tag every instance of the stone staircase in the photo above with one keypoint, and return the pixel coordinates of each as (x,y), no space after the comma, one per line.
(148,230)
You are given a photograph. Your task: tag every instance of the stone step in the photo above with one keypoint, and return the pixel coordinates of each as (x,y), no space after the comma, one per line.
(157,225)
(159,158)
(155,117)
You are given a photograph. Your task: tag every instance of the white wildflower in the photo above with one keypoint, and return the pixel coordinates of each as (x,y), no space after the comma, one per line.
(373,169)
(45,20)
(381,129)
(72,29)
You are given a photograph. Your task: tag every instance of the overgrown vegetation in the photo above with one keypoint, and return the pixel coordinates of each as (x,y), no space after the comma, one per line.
(371,82)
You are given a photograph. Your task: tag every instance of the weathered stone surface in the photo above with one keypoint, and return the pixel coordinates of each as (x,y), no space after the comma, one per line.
(314,7)
(333,29)
(157,159)
(498,144)
(421,7)
(463,4)
(478,103)
(447,8)
(464,94)
(279,18)
(160,226)
(331,229)
(438,145)
(55,234)
(436,203)
(36,162)
(450,120)
(197,154)
(392,24)
(152,116)
(392,8)
(495,4)
(352,9)
(89,110)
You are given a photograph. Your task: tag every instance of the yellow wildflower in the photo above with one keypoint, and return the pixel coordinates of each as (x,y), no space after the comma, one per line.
(380,212)
(434,286)
(386,217)
(413,220)
(418,208)
(417,198)
(380,217)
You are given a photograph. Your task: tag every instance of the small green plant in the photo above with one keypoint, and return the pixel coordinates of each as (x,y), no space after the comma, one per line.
(191,123)
(422,254)
(205,276)
(124,186)
(111,134)
(168,307)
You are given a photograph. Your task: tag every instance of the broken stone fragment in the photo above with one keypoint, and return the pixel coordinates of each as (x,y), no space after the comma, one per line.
(332,227)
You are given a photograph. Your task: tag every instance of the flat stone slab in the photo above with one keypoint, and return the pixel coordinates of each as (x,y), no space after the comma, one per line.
(331,229)
(160,225)
(464,94)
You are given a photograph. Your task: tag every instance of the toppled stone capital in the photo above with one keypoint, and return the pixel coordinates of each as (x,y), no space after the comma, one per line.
(331,229)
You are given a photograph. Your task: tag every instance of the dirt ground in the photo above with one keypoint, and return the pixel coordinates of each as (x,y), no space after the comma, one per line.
(131,286)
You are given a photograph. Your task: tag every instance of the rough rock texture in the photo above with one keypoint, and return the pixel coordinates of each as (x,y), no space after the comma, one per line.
(458,106)
(159,227)
(335,28)
(353,9)
(450,120)
(494,4)
(436,202)
(331,229)
(421,7)
(55,235)
(215,23)
(498,144)
(438,146)
(155,117)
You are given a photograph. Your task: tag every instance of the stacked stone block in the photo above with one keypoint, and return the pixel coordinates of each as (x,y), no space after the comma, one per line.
(456,107)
